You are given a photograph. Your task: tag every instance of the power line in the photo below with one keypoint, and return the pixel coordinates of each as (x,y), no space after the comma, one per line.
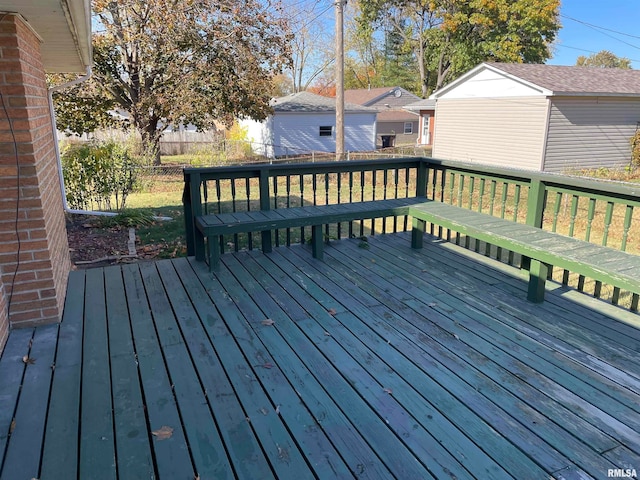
(599,27)
(601,30)
(588,51)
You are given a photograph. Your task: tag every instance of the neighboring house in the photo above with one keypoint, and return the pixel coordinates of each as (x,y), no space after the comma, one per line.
(396,126)
(36,36)
(539,117)
(304,122)
(426,109)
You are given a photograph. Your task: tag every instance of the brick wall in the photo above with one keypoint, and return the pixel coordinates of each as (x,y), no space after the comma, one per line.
(31,215)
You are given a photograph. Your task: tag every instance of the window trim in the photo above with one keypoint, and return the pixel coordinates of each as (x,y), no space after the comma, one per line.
(410,124)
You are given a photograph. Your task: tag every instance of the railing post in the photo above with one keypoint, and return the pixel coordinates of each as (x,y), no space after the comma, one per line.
(421,181)
(265,204)
(196,208)
(188,215)
(535,215)
(535,203)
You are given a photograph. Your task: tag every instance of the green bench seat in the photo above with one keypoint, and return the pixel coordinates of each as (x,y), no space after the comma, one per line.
(543,248)
(212,227)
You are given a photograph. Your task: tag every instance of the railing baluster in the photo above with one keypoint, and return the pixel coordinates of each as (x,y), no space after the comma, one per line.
(275,206)
(288,188)
(452,181)
(351,201)
(628,215)
(339,200)
(608,218)
(460,189)
(218,195)
(472,186)
(556,211)
(574,213)
(503,199)
(516,202)
(302,200)
(492,196)
(326,202)
(362,181)
(205,197)
(396,178)
(385,178)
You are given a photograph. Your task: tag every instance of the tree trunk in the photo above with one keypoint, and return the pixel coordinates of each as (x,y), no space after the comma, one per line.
(151,141)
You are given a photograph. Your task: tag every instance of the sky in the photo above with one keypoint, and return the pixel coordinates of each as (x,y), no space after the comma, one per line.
(613,25)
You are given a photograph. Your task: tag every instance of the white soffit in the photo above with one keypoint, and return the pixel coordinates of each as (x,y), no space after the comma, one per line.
(64,27)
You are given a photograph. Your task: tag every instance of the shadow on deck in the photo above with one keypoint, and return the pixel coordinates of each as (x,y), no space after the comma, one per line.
(381,362)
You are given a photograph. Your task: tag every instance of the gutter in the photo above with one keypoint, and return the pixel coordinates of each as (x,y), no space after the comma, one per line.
(63,189)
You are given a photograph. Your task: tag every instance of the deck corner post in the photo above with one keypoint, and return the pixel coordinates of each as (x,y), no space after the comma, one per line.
(417,233)
(196,209)
(421,180)
(187,209)
(535,203)
(537,278)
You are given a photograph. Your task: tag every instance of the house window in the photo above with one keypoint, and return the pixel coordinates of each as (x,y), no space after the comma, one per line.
(408,128)
(325,131)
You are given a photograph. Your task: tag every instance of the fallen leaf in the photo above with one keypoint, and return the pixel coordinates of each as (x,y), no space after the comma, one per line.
(277,409)
(264,411)
(332,311)
(268,322)
(456,336)
(267,365)
(13,426)
(28,360)
(432,305)
(327,334)
(163,433)
(388,390)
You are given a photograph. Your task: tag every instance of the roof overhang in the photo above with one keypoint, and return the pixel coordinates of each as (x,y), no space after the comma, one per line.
(64,27)
(482,67)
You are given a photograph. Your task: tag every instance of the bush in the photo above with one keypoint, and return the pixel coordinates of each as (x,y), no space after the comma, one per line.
(98,176)
(635,149)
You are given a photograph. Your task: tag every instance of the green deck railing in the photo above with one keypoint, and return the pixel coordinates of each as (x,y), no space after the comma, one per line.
(601,212)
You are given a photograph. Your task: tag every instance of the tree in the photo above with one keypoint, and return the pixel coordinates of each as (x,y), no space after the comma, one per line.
(448,37)
(167,62)
(603,59)
(312,49)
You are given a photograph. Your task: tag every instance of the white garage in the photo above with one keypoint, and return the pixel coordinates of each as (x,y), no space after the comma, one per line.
(539,117)
(303,123)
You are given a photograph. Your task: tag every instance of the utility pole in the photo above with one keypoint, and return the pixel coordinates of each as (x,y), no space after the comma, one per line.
(340,79)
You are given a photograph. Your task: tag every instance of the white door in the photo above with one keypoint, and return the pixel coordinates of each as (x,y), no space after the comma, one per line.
(425,138)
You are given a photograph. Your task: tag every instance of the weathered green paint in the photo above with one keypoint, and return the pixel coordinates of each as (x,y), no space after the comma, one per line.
(532,242)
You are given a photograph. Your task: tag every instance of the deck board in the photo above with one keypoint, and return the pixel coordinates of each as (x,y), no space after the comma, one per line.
(381,362)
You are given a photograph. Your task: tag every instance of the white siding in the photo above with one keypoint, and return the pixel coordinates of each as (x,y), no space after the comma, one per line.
(360,132)
(590,132)
(296,134)
(487,83)
(506,132)
(259,134)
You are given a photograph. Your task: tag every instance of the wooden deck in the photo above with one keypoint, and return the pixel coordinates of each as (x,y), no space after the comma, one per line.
(379,362)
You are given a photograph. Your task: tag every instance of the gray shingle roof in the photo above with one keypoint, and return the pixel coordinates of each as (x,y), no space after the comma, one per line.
(576,80)
(306,102)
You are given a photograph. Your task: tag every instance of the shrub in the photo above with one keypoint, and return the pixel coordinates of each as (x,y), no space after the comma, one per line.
(98,176)
(635,149)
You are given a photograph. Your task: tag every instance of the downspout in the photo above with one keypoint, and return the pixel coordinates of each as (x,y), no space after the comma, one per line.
(51,91)
(63,189)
